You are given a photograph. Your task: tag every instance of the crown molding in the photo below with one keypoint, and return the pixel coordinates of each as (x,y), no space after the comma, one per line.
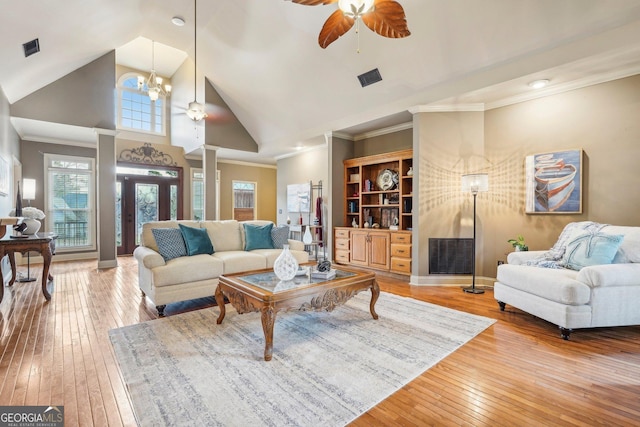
(444,108)
(342,135)
(245,163)
(565,87)
(38,138)
(102,131)
(299,152)
(384,131)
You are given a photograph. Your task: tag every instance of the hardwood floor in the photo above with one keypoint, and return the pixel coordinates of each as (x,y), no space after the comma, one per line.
(517,372)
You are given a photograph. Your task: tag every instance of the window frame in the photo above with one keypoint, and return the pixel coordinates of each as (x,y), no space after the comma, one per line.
(91,198)
(121,89)
(196,179)
(255,196)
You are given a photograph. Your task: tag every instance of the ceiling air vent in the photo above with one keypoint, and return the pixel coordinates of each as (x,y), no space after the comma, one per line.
(370,77)
(31,47)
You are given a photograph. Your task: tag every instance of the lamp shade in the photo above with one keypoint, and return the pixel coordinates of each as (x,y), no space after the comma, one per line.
(28,189)
(475,183)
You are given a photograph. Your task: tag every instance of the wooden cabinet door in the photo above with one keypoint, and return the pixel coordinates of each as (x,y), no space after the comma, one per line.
(379,250)
(359,247)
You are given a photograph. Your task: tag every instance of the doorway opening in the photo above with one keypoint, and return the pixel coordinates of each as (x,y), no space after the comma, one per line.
(145,193)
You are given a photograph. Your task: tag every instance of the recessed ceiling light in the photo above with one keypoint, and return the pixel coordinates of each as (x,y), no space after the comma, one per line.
(176,20)
(539,84)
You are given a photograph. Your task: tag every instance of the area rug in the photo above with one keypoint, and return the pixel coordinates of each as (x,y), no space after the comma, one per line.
(327,368)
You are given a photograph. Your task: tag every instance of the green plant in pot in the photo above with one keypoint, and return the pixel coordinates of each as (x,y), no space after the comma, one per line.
(518,243)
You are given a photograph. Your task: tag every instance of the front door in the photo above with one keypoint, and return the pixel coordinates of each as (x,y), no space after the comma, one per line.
(144,195)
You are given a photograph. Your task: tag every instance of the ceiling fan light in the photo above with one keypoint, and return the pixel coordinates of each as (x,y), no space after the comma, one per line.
(355,8)
(196,111)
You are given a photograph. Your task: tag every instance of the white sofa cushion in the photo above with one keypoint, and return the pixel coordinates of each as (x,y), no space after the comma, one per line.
(239,261)
(629,250)
(225,235)
(610,275)
(272,254)
(560,285)
(187,269)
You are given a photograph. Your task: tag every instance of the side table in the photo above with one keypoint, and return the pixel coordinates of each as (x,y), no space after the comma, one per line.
(44,243)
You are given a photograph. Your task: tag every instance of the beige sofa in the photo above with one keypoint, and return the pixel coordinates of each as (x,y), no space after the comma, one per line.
(189,277)
(570,296)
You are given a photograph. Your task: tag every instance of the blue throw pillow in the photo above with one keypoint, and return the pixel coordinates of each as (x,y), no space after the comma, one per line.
(197,240)
(170,242)
(280,236)
(589,249)
(257,237)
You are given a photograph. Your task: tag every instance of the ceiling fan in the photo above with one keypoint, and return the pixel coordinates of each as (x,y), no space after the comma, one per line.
(385,17)
(197,111)
(209,112)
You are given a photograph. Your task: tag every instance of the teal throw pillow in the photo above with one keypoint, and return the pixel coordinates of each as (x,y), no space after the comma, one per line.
(197,240)
(280,236)
(257,237)
(170,243)
(589,249)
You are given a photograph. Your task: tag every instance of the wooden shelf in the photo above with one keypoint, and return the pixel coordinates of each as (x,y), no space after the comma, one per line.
(368,168)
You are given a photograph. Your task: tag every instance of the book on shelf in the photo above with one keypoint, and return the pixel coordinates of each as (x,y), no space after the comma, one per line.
(323,274)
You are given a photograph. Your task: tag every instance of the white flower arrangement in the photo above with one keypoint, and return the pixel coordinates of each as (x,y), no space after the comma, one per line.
(29,212)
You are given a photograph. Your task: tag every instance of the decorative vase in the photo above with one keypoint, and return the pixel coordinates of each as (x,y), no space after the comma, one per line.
(285,266)
(33,226)
(410,171)
(307,238)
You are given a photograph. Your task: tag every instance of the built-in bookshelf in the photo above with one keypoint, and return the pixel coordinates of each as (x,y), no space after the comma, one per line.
(371,199)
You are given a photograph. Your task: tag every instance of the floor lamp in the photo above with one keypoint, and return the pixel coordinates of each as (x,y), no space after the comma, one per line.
(28,193)
(474,183)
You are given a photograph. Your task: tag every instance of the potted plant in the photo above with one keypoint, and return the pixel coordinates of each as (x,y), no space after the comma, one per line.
(518,243)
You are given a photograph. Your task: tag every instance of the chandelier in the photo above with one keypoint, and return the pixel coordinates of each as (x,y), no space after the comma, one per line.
(196,110)
(153,85)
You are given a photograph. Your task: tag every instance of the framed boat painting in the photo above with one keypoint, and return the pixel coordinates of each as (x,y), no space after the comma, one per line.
(554,182)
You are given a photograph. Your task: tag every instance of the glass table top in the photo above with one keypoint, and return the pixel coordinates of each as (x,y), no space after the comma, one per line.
(270,282)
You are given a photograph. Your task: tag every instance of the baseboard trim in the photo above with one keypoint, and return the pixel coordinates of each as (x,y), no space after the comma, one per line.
(450,280)
(37,259)
(111,263)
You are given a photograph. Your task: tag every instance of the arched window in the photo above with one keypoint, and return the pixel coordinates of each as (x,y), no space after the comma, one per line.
(136,111)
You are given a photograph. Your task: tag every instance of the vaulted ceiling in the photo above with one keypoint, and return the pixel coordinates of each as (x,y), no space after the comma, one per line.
(263,58)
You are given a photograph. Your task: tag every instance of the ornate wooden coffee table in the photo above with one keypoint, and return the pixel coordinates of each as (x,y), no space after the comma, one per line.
(262,291)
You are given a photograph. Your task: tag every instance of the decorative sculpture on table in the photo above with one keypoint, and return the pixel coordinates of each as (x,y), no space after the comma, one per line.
(31,220)
(286,265)
(18,228)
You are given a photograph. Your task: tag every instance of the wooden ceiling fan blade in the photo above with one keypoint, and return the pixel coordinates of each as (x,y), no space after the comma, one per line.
(314,2)
(335,26)
(387,19)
